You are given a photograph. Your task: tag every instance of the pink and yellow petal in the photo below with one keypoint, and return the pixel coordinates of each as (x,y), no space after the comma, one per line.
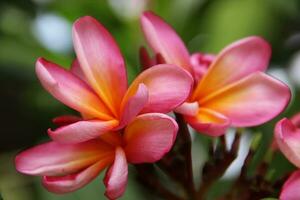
(100,60)
(55,159)
(235,62)
(70,90)
(209,122)
(188,108)
(117,176)
(251,101)
(149,137)
(165,41)
(132,104)
(73,182)
(81,131)
(168,87)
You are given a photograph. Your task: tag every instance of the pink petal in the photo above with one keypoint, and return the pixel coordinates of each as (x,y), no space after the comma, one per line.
(82,131)
(76,70)
(72,182)
(65,120)
(70,90)
(54,159)
(117,175)
(188,108)
(164,40)
(235,62)
(209,122)
(287,136)
(132,104)
(100,60)
(290,189)
(251,101)
(149,137)
(164,82)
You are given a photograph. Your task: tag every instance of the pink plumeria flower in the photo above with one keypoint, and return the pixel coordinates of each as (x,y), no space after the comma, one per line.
(96,85)
(234,91)
(290,189)
(287,137)
(68,167)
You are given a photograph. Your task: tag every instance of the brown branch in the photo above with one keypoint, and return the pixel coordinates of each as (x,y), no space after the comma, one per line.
(251,188)
(215,169)
(181,157)
(185,135)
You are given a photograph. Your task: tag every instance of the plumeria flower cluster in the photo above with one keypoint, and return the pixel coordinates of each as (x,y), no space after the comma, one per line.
(121,124)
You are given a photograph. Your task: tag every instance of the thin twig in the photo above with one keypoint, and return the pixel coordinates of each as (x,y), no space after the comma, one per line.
(185,136)
(214,170)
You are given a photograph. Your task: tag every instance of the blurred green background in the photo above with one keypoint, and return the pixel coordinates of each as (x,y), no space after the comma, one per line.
(42,28)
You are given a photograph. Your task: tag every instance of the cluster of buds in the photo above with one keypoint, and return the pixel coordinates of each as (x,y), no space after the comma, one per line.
(121,124)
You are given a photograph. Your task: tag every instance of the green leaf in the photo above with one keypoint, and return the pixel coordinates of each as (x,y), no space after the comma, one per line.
(269,198)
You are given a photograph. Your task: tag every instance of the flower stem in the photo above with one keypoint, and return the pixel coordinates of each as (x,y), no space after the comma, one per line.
(215,169)
(180,156)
